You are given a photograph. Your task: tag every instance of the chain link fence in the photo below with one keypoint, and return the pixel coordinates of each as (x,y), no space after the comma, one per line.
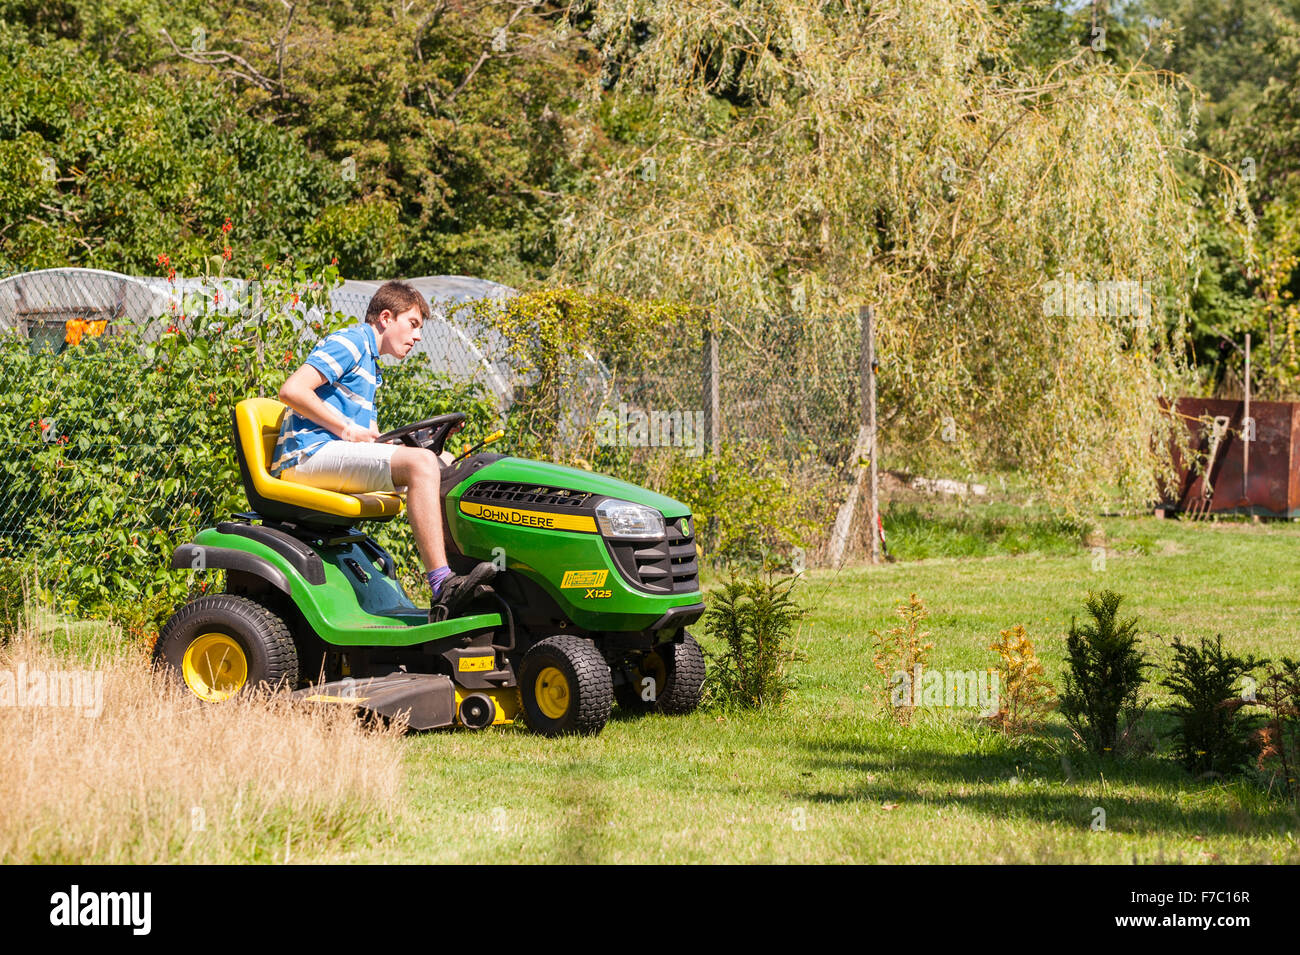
(748,405)
(44,319)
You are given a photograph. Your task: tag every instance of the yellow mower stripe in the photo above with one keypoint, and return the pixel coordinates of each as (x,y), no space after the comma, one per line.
(519,518)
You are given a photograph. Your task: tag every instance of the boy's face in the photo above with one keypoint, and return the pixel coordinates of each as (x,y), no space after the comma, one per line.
(399,333)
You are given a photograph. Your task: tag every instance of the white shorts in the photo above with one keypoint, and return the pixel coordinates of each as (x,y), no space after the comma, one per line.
(351,467)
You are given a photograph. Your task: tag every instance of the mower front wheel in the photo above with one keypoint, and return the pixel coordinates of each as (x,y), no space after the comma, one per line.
(667,679)
(220,644)
(565,687)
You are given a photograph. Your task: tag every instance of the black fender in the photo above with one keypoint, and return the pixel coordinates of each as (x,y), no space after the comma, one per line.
(197,557)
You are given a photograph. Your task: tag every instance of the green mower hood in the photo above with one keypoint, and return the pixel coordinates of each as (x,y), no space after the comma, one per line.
(524,471)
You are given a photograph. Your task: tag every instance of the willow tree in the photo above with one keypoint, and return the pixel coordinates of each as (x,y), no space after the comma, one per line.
(798,155)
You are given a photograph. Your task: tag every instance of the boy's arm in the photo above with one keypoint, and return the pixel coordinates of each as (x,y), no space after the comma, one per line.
(299,393)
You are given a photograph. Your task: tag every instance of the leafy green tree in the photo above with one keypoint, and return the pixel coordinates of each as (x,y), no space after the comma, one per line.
(1243,57)
(104,168)
(1104,677)
(453,119)
(1213,728)
(1265,140)
(753,620)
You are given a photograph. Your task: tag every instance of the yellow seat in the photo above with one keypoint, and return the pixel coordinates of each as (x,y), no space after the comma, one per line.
(257,428)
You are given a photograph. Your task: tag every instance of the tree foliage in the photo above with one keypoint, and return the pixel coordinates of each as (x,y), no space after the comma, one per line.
(1243,58)
(104,168)
(806,157)
(945,161)
(1106,670)
(753,620)
(450,119)
(1213,726)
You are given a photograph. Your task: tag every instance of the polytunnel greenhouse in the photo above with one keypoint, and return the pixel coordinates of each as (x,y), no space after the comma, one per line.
(55,308)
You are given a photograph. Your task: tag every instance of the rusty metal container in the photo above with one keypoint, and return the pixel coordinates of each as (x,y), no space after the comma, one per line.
(1271,485)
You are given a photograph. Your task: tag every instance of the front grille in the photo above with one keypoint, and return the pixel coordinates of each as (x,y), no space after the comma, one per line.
(511,492)
(662,567)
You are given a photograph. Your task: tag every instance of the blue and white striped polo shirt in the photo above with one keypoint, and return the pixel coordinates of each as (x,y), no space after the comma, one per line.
(349,360)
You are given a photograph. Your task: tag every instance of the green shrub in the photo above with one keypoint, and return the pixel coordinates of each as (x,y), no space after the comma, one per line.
(1213,727)
(754,618)
(747,510)
(1104,678)
(13,577)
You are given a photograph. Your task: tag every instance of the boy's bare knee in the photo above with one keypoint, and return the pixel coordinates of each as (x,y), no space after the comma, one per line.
(413,466)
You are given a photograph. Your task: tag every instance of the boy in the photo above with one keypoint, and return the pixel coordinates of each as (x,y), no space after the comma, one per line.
(327,439)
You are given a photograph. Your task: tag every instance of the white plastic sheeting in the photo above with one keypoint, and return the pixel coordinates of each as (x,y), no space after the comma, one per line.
(37,304)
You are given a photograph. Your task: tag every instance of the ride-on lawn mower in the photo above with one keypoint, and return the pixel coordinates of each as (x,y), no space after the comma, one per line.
(597,583)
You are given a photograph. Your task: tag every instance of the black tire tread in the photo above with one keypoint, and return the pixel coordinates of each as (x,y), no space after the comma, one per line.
(595,691)
(684,666)
(270,629)
(685,679)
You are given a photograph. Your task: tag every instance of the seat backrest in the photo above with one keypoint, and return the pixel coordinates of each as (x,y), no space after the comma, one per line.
(257,429)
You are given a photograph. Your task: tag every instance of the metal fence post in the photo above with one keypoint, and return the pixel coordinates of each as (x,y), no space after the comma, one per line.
(867,376)
(712,403)
(864,452)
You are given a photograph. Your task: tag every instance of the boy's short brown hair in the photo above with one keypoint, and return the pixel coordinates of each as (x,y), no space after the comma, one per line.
(396,297)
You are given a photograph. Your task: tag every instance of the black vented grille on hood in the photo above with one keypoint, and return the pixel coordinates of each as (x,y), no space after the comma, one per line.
(513,492)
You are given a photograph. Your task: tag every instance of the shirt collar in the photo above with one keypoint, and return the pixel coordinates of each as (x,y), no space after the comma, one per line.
(373,338)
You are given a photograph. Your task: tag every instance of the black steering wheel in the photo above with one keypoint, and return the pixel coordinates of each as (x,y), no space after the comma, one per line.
(431,434)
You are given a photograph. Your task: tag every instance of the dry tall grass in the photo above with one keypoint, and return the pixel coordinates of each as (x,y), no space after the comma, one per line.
(158,776)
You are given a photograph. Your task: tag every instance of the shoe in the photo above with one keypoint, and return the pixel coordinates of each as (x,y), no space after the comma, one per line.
(457,591)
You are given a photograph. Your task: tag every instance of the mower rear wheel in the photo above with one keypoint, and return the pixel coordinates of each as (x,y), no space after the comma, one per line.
(220,644)
(565,687)
(675,672)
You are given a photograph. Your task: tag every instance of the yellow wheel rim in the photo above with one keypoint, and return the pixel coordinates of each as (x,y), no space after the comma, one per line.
(651,665)
(215,667)
(552,693)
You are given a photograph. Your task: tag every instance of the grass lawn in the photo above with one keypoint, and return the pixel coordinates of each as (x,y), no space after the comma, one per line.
(829,780)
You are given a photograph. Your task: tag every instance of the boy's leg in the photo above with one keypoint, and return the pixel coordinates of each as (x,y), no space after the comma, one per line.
(356,467)
(419,470)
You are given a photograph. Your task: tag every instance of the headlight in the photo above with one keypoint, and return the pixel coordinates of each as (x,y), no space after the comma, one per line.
(627,520)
